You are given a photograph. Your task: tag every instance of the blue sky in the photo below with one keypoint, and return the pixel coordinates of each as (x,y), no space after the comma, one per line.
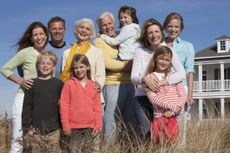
(204,21)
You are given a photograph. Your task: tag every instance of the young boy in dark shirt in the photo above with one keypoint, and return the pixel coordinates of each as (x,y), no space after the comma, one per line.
(41,102)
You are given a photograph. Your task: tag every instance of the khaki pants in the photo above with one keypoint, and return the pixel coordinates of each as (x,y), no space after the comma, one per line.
(82,141)
(182,120)
(49,143)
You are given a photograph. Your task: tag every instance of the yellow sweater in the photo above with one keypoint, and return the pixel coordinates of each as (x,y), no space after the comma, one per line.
(114,73)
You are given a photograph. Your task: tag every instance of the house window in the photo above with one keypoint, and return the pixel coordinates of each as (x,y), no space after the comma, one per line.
(222,45)
(217,74)
(204,75)
(227,73)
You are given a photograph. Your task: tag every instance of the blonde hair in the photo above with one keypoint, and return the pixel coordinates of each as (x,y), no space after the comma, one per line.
(83,60)
(171,16)
(161,50)
(48,54)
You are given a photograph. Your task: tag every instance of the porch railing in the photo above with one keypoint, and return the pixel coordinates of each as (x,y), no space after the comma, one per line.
(211,85)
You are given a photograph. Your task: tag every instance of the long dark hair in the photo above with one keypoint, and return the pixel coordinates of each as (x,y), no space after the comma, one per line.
(26,40)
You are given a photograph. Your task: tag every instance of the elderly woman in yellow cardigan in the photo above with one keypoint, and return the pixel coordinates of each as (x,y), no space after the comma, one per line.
(84,32)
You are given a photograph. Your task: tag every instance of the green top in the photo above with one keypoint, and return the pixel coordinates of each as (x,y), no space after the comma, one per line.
(27,58)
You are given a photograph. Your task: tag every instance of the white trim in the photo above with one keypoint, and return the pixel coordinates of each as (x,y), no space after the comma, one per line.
(209,95)
(223,51)
(200,78)
(212,97)
(210,57)
(222,112)
(222,76)
(225,61)
(200,107)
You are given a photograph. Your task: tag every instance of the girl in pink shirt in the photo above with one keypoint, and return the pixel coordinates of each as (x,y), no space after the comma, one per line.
(168,101)
(80,106)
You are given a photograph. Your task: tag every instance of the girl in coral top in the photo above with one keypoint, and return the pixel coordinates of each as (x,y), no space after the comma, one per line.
(168,101)
(80,106)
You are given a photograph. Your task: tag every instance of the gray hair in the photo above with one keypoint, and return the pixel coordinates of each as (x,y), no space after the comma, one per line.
(78,23)
(104,15)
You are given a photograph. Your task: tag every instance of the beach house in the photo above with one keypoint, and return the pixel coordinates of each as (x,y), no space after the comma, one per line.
(212,81)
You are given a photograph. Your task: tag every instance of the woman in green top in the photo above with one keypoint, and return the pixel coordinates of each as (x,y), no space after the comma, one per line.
(30,45)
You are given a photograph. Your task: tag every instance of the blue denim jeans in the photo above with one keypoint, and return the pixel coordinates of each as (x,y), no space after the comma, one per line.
(144,114)
(119,106)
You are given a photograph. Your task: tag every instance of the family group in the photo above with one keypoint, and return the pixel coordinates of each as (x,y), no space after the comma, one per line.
(136,76)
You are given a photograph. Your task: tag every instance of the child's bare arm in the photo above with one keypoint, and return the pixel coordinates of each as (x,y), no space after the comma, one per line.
(163,82)
(168,114)
(96,131)
(31,131)
(67,132)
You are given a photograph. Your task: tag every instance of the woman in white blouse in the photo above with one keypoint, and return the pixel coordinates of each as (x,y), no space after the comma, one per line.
(150,38)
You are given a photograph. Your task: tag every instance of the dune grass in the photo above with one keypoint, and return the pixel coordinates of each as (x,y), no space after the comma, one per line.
(207,136)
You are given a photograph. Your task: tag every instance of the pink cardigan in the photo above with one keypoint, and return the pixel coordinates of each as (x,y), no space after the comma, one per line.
(80,107)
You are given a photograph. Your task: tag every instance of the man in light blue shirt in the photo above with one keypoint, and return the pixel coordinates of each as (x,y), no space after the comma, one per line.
(56,27)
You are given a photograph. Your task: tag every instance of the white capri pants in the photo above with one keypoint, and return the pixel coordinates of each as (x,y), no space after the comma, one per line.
(17,123)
